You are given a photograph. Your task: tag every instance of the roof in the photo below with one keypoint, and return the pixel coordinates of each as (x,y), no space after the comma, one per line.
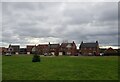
(29,47)
(89,45)
(110,50)
(43,45)
(65,44)
(15,47)
(54,45)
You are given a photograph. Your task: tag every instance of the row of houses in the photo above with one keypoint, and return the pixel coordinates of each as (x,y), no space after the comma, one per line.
(65,48)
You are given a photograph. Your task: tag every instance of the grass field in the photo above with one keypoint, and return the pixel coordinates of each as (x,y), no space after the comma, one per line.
(60,68)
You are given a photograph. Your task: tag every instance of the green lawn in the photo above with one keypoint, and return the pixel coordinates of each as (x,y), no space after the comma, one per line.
(0,68)
(60,68)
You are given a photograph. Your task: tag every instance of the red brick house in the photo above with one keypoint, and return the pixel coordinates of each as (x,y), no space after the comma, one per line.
(42,49)
(110,51)
(29,48)
(23,51)
(3,50)
(89,48)
(68,49)
(54,49)
(15,49)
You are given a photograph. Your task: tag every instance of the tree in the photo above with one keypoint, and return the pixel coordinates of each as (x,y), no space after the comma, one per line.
(36,57)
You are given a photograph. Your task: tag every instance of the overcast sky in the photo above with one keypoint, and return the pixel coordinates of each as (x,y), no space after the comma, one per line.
(42,22)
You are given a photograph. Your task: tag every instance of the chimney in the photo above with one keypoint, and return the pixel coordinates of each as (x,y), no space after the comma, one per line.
(96,41)
(49,43)
(73,42)
(82,42)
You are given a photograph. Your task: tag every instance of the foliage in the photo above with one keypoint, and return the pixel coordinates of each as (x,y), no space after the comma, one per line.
(36,58)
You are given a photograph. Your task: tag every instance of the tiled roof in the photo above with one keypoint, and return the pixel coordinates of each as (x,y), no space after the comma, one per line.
(89,45)
(54,45)
(15,47)
(65,44)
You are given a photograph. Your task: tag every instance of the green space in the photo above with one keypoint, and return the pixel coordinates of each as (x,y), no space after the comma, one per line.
(21,67)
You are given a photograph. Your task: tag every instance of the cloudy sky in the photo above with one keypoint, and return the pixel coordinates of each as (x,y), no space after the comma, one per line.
(42,22)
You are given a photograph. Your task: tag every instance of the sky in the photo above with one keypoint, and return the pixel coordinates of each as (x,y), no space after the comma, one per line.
(42,22)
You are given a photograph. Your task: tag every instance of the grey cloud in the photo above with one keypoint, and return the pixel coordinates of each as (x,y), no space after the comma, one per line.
(60,21)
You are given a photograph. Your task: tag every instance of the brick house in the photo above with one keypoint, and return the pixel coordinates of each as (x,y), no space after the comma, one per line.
(68,49)
(89,48)
(3,50)
(110,51)
(54,49)
(23,51)
(15,49)
(43,49)
(29,48)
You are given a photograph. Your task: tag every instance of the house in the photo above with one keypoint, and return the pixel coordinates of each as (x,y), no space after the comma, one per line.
(43,49)
(54,49)
(110,51)
(29,48)
(89,48)
(3,50)
(23,51)
(14,49)
(68,48)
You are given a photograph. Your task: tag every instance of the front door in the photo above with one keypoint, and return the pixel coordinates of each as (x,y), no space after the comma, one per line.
(64,53)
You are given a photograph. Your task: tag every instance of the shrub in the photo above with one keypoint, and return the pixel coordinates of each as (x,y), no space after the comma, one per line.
(36,58)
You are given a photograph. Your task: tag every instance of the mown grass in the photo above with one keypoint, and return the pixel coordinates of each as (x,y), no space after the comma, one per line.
(0,68)
(60,68)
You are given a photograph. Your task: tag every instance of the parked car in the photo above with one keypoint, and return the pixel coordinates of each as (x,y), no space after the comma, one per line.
(45,54)
(7,54)
(101,54)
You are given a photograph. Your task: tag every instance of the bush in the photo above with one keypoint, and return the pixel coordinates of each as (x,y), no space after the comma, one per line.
(36,58)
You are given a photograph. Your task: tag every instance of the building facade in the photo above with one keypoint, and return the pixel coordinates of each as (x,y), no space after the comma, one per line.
(110,51)
(89,48)
(3,50)
(29,48)
(54,49)
(43,49)
(68,49)
(14,49)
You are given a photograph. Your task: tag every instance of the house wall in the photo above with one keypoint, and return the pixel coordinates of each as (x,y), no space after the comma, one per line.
(3,50)
(28,52)
(90,51)
(42,49)
(68,48)
(29,49)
